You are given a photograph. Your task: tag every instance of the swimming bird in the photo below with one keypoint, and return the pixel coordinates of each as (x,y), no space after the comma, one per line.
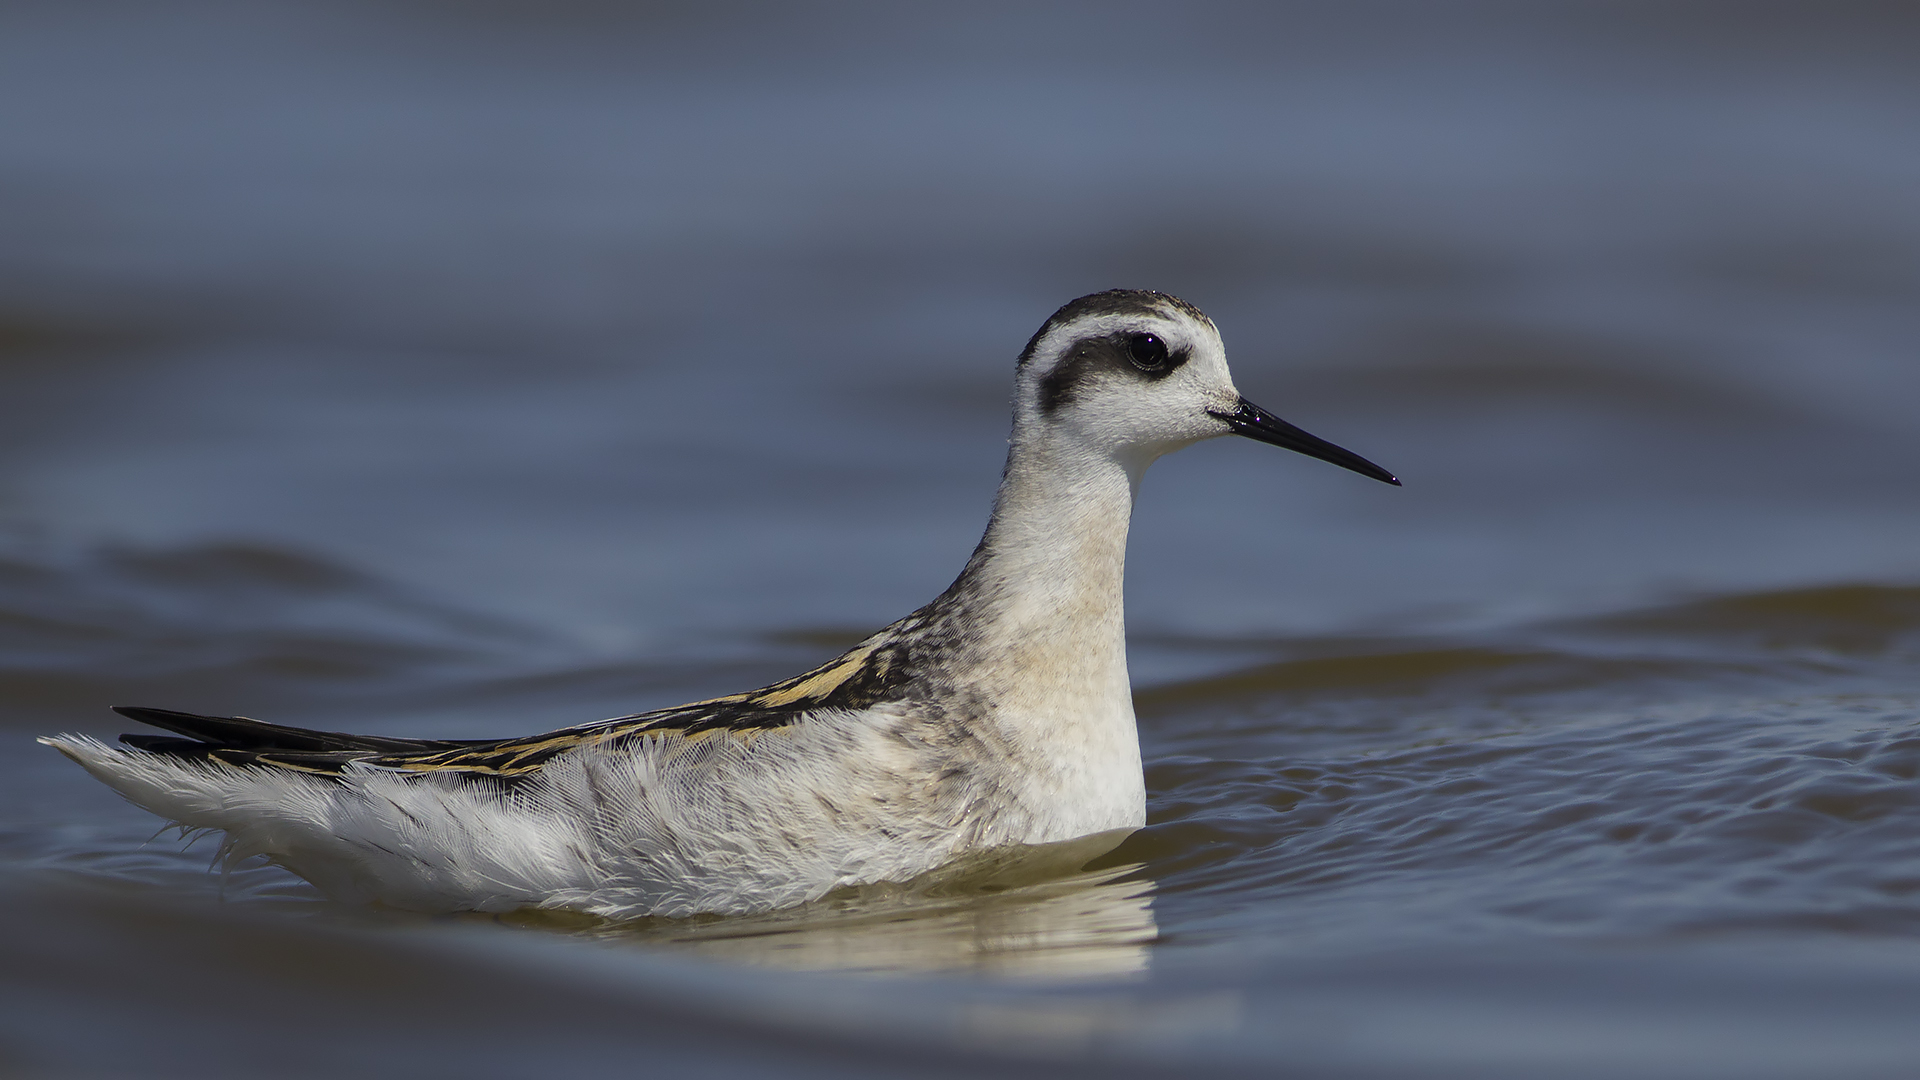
(998,715)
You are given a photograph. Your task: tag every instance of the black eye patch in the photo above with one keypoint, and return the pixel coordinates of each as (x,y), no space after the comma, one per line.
(1140,355)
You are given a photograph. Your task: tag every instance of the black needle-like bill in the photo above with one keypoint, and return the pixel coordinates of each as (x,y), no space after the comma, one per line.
(1257,423)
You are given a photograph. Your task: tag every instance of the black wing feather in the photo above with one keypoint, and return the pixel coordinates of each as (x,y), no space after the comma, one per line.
(241,733)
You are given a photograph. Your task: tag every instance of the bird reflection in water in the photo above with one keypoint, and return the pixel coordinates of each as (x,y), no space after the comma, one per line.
(1026,912)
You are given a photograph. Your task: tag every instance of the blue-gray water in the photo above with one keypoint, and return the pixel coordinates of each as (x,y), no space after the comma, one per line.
(474,369)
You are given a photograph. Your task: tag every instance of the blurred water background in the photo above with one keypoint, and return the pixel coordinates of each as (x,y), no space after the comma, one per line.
(470,369)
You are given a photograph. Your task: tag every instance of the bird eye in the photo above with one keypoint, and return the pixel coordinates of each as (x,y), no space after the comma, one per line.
(1147,351)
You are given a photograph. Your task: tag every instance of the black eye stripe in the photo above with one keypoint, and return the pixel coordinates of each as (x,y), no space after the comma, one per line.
(1092,358)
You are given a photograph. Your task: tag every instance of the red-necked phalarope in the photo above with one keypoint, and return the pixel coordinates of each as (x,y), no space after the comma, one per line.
(999,714)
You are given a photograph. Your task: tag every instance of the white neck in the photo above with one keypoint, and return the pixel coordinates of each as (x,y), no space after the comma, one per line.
(1043,594)
(1050,570)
